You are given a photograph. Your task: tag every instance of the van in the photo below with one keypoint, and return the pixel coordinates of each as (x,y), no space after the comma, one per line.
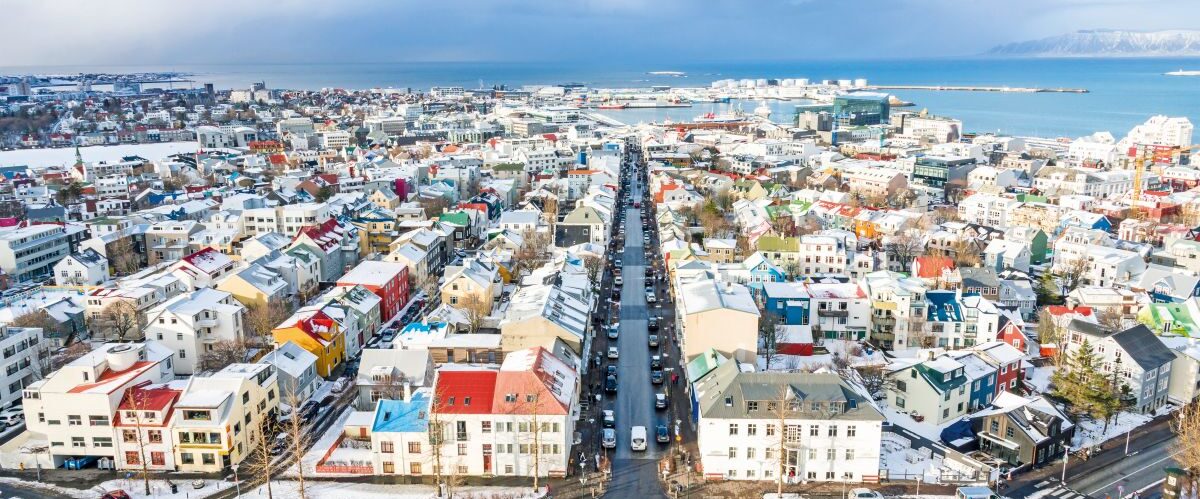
(637,438)
(975,493)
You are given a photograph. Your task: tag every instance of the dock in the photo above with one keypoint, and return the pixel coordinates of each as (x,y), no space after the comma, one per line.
(958,88)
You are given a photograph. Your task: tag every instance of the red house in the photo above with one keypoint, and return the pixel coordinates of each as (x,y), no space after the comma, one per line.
(1013,335)
(389,280)
(1006,360)
(794,340)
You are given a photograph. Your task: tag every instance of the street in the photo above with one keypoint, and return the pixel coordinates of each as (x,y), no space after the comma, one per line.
(1110,472)
(634,473)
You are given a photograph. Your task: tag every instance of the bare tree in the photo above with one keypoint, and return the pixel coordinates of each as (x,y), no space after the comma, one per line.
(122,256)
(476,309)
(437,438)
(434,207)
(122,320)
(136,398)
(965,253)
(223,353)
(1187,437)
(904,247)
(1110,318)
(533,251)
(874,379)
(38,319)
(299,438)
(258,463)
(768,333)
(1072,273)
(919,336)
(69,354)
(594,266)
(262,318)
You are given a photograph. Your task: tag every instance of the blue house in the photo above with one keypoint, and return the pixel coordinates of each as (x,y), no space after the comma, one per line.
(1167,285)
(981,379)
(787,301)
(1086,220)
(945,317)
(762,270)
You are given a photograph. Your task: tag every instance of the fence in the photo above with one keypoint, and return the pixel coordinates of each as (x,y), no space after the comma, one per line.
(350,467)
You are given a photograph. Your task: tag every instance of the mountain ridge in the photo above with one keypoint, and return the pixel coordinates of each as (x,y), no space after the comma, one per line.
(1106,43)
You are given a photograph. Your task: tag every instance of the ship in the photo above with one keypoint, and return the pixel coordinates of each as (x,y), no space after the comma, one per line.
(711,117)
(609,105)
(1182,72)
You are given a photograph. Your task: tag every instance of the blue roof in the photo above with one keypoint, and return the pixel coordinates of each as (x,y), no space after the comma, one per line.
(402,416)
(943,306)
(416,328)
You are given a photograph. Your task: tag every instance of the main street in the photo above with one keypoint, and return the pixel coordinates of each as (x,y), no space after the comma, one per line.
(634,473)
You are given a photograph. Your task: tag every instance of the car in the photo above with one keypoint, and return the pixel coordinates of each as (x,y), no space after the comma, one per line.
(652,340)
(656,377)
(649,288)
(863,493)
(613,331)
(649,297)
(341,384)
(617,261)
(660,401)
(637,204)
(656,362)
(610,419)
(610,383)
(613,353)
(609,440)
(280,444)
(388,335)
(12,419)
(637,438)
(610,370)
(652,323)
(661,435)
(617,281)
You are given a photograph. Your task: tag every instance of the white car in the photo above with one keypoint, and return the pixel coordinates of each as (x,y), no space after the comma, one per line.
(613,353)
(617,280)
(861,493)
(609,440)
(637,438)
(649,297)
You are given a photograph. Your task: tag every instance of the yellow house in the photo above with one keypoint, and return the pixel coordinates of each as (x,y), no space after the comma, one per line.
(316,332)
(471,286)
(255,286)
(384,199)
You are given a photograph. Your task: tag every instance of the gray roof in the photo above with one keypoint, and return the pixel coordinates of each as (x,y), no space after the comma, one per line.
(1088,328)
(977,277)
(724,393)
(1180,283)
(1144,347)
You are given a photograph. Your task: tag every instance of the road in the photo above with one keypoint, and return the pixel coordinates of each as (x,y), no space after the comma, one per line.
(1111,471)
(634,473)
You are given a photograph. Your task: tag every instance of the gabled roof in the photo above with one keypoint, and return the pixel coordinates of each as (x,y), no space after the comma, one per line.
(465,391)
(1144,347)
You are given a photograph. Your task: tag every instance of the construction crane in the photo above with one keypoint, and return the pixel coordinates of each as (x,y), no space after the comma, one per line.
(1159,154)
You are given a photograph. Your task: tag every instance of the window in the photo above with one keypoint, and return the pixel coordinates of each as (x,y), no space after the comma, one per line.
(129,436)
(750,452)
(77,442)
(462,449)
(389,468)
(751,430)
(833,430)
(751,406)
(158,459)
(994,427)
(102,441)
(812,454)
(155,436)
(732,452)
(769,453)
(486,426)
(851,431)
(386,447)
(830,454)
(900,402)
(74,421)
(733,428)
(414,447)
(849,454)
(1008,432)
(814,431)
(208,458)
(414,468)
(98,420)
(770,430)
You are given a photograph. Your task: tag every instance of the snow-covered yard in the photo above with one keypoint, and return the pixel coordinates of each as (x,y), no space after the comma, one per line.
(850,350)
(1090,432)
(1039,378)
(903,462)
(339,490)
(159,488)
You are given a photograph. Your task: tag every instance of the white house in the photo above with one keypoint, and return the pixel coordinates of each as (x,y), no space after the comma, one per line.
(85,267)
(194,323)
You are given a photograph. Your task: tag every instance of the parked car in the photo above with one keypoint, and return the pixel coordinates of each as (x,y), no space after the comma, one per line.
(652,324)
(862,493)
(652,340)
(661,435)
(613,331)
(610,383)
(656,377)
(660,401)
(613,353)
(609,440)
(611,370)
(12,419)
(649,297)
(655,362)
(610,419)
(617,281)
(637,438)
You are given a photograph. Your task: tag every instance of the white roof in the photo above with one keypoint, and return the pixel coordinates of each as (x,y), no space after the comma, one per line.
(373,273)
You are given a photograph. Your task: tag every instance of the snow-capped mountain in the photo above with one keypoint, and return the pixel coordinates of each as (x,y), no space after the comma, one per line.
(1107,43)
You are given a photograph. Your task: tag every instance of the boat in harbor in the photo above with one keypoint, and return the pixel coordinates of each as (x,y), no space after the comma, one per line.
(711,117)
(666,73)
(1182,72)
(612,105)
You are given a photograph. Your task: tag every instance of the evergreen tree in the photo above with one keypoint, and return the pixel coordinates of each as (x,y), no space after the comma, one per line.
(1087,390)
(1047,290)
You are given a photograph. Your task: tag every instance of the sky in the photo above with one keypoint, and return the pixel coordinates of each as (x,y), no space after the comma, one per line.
(148,32)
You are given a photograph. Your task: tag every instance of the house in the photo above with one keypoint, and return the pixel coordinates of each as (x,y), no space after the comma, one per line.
(195,323)
(539,313)
(472,286)
(143,424)
(220,416)
(1181,319)
(392,374)
(336,246)
(787,301)
(1023,431)
(256,286)
(830,432)
(840,310)
(1033,238)
(793,340)
(90,389)
(316,332)
(1184,384)
(1002,254)
(388,280)
(446,333)
(1165,284)
(981,378)
(933,390)
(937,271)
(1005,359)
(85,267)
(203,268)
(1102,266)
(296,369)
(716,315)
(1135,356)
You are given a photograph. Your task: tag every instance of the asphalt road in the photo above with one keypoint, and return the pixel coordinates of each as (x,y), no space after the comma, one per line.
(634,473)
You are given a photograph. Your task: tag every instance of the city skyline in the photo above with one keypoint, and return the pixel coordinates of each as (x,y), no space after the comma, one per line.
(143,32)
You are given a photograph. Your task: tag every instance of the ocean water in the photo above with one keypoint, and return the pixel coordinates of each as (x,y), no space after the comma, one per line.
(1124,92)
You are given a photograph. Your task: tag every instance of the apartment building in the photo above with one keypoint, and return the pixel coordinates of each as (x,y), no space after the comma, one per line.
(1135,357)
(23,357)
(285,219)
(143,426)
(30,252)
(170,241)
(220,416)
(194,323)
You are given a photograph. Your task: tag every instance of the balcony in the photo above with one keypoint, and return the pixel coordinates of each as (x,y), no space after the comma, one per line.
(207,323)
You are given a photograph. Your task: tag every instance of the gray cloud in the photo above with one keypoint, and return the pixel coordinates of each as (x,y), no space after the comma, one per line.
(155,32)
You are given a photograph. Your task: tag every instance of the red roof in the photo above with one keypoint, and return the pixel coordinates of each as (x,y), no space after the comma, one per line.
(148,399)
(465,392)
(277,159)
(318,233)
(1058,310)
(111,375)
(930,267)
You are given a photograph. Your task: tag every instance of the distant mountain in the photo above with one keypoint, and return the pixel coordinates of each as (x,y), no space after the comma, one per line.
(1106,43)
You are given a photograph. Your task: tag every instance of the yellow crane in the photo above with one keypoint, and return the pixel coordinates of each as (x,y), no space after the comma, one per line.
(1139,168)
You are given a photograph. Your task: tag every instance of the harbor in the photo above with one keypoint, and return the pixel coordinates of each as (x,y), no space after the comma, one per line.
(962,88)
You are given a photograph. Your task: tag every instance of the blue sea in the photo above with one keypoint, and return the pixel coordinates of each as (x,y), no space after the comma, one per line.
(1124,92)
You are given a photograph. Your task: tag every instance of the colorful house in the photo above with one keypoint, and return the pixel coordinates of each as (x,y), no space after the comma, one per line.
(316,332)
(1178,318)
(389,280)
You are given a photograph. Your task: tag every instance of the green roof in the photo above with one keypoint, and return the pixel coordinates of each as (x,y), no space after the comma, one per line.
(776,243)
(508,167)
(458,218)
(1156,315)
(703,364)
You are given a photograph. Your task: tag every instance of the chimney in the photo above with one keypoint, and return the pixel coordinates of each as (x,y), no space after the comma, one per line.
(407,390)
(930,353)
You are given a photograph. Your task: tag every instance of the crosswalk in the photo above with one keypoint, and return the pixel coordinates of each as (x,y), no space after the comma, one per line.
(1054,489)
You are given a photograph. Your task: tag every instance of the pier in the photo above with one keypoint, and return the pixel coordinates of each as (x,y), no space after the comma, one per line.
(959,88)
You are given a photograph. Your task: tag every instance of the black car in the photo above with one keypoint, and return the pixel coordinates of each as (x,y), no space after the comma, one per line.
(656,377)
(610,383)
(652,323)
(611,370)
(661,435)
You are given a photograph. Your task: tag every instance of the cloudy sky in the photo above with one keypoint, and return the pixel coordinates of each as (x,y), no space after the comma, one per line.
(148,32)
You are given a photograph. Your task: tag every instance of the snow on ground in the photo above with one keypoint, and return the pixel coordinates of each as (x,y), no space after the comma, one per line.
(21,304)
(1091,432)
(340,490)
(159,488)
(1039,378)
(925,429)
(66,155)
(903,462)
(323,444)
(846,349)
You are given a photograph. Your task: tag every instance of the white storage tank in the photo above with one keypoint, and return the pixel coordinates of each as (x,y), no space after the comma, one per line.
(123,356)
(843,83)
(860,83)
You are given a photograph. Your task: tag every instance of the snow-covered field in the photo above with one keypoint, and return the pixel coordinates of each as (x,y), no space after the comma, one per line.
(66,155)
